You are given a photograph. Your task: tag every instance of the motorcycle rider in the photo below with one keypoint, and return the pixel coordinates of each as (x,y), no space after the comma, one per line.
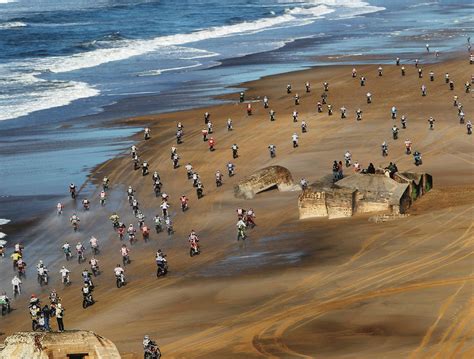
(164,208)
(319,107)
(272,115)
(211,144)
(359,114)
(42,271)
(64,275)
(145,168)
(295,116)
(407,146)
(175,161)
(404,121)
(147,133)
(102,197)
(133,151)
(199,189)
(131,233)
(229,124)
(115,219)
(235,150)
(94,244)
(74,220)
(59,208)
(16,285)
(94,263)
(431,121)
(125,252)
(272,149)
(87,293)
(395,132)
(86,204)
(307,86)
(72,190)
(169,225)
(195,178)
(80,249)
(288,88)
(369,97)
(209,127)
(431,76)
(297,99)
(160,260)
(362,80)
(230,169)
(249,109)
(304,126)
(207,115)
(184,202)
(326,86)
(265,102)
(193,242)
(380,70)
(294,139)
(394,112)
(130,192)
(218,178)
(469,127)
(354,73)
(384,149)
(155,177)
(423,90)
(397,61)
(135,205)
(105,183)
(87,277)
(417,158)
(343,112)
(403,70)
(348,158)
(241,229)
(141,219)
(329,110)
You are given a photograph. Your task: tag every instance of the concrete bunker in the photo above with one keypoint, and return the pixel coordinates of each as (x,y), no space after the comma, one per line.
(265,179)
(363,193)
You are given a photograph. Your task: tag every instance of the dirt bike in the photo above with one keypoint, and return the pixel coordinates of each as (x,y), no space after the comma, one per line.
(43,279)
(184,206)
(67,253)
(80,257)
(65,280)
(87,301)
(125,260)
(241,234)
(218,182)
(162,269)
(395,135)
(75,225)
(169,229)
(16,291)
(95,250)
(199,192)
(95,270)
(194,250)
(120,280)
(5,304)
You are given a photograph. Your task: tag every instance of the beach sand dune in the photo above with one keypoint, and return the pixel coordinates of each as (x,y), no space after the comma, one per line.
(295,289)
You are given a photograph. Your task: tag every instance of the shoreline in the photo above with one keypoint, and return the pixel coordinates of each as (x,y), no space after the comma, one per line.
(276,209)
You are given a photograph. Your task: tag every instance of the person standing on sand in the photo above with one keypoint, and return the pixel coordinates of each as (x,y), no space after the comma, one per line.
(60,316)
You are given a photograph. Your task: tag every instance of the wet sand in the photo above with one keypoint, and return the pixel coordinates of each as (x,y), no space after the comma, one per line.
(294,289)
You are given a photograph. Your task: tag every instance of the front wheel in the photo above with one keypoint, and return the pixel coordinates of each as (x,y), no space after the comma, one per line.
(119,283)
(84,304)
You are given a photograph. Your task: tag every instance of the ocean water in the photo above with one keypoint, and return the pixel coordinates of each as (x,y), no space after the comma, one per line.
(69,66)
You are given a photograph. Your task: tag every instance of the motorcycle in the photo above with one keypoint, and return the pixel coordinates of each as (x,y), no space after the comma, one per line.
(43,279)
(120,280)
(158,227)
(16,291)
(231,172)
(65,279)
(121,232)
(235,154)
(272,153)
(144,171)
(125,260)
(67,253)
(87,301)
(73,194)
(95,270)
(194,250)
(86,206)
(169,229)
(157,189)
(241,234)
(395,135)
(418,161)
(384,151)
(199,193)
(162,269)
(75,225)
(21,272)
(80,257)
(218,182)
(145,234)
(184,206)
(5,304)
(348,162)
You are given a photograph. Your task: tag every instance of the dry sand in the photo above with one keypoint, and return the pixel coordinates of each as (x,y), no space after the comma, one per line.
(295,289)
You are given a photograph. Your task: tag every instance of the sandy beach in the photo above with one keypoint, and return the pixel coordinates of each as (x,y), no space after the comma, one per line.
(345,288)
